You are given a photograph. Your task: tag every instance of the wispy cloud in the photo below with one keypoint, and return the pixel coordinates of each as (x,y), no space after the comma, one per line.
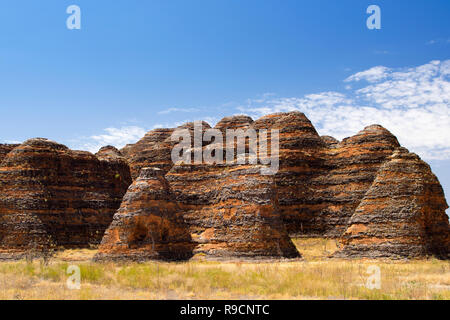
(382,52)
(371,75)
(11,141)
(186,110)
(413,103)
(439,41)
(117,137)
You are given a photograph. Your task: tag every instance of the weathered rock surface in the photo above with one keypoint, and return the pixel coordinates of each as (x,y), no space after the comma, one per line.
(148,225)
(109,153)
(351,168)
(53,196)
(154,149)
(402,215)
(301,159)
(320,180)
(386,200)
(231,211)
(234,122)
(319,185)
(5,149)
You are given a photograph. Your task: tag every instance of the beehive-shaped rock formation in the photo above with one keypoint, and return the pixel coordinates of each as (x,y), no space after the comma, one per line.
(148,225)
(301,160)
(402,215)
(231,209)
(319,185)
(351,168)
(109,153)
(51,195)
(385,199)
(234,123)
(154,149)
(231,212)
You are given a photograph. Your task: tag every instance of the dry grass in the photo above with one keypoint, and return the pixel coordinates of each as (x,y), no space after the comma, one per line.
(314,278)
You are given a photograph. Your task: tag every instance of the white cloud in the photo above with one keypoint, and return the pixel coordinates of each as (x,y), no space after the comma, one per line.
(117,137)
(371,75)
(413,103)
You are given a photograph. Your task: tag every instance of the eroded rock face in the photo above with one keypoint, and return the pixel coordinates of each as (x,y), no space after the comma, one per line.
(234,122)
(231,211)
(351,168)
(53,196)
(109,153)
(402,215)
(148,225)
(5,149)
(154,149)
(319,185)
(302,159)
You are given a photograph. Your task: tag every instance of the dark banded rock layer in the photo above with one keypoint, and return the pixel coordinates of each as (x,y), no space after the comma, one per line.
(386,200)
(231,211)
(302,159)
(402,215)
(155,148)
(351,168)
(148,225)
(51,195)
(234,123)
(109,153)
(5,149)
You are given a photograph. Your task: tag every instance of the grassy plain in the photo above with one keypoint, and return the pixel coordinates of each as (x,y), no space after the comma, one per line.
(314,277)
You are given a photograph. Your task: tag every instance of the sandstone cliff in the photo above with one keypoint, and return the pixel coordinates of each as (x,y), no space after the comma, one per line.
(53,196)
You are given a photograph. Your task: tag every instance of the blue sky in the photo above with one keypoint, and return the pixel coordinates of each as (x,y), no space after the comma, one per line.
(136,65)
